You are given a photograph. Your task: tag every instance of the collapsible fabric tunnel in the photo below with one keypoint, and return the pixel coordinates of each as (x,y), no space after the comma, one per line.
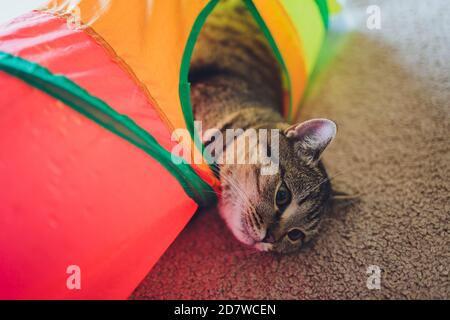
(91,92)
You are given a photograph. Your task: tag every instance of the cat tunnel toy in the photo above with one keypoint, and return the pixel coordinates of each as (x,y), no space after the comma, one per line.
(91,92)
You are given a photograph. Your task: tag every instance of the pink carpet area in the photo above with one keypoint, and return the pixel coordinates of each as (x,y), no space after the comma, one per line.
(389,92)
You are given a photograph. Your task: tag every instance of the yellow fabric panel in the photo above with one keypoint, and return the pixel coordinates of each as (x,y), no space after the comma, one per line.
(305,16)
(288,43)
(333,7)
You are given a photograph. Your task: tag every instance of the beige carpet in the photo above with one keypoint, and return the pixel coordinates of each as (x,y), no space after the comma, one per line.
(389,91)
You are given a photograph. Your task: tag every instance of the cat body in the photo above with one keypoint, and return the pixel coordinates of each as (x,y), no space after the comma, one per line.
(236,84)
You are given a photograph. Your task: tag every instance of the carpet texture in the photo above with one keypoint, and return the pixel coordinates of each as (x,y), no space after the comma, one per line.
(389,92)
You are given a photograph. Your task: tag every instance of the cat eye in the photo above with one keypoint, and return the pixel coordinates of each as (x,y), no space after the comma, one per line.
(283,196)
(296,234)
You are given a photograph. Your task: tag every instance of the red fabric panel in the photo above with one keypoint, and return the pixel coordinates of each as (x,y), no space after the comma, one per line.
(73,193)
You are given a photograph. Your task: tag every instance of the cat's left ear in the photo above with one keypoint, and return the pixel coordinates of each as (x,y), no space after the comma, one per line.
(312,137)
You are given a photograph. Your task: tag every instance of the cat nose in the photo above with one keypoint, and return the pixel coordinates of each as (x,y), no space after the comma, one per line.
(269,238)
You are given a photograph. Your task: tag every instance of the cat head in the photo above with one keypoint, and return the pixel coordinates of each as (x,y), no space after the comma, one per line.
(282,211)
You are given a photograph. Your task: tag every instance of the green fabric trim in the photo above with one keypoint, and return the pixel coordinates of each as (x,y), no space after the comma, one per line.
(323,8)
(254,11)
(98,111)
(185,87)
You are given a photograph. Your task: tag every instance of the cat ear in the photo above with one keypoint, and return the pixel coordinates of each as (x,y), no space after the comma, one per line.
(312,137)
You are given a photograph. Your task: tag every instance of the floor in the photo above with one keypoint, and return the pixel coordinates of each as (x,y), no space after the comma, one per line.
(389,92)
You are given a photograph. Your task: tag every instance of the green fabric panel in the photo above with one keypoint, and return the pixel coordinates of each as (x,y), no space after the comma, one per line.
(184,89)
(98,111)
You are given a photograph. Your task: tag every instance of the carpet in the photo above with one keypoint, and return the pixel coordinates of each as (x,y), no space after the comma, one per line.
(389,92)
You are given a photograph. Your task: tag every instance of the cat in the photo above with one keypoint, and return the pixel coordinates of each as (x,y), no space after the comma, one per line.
(236,83)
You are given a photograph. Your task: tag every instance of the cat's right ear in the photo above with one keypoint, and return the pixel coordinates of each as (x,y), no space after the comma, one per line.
(311,138)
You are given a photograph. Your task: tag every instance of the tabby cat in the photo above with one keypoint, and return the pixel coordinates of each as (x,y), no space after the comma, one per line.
(236,83)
